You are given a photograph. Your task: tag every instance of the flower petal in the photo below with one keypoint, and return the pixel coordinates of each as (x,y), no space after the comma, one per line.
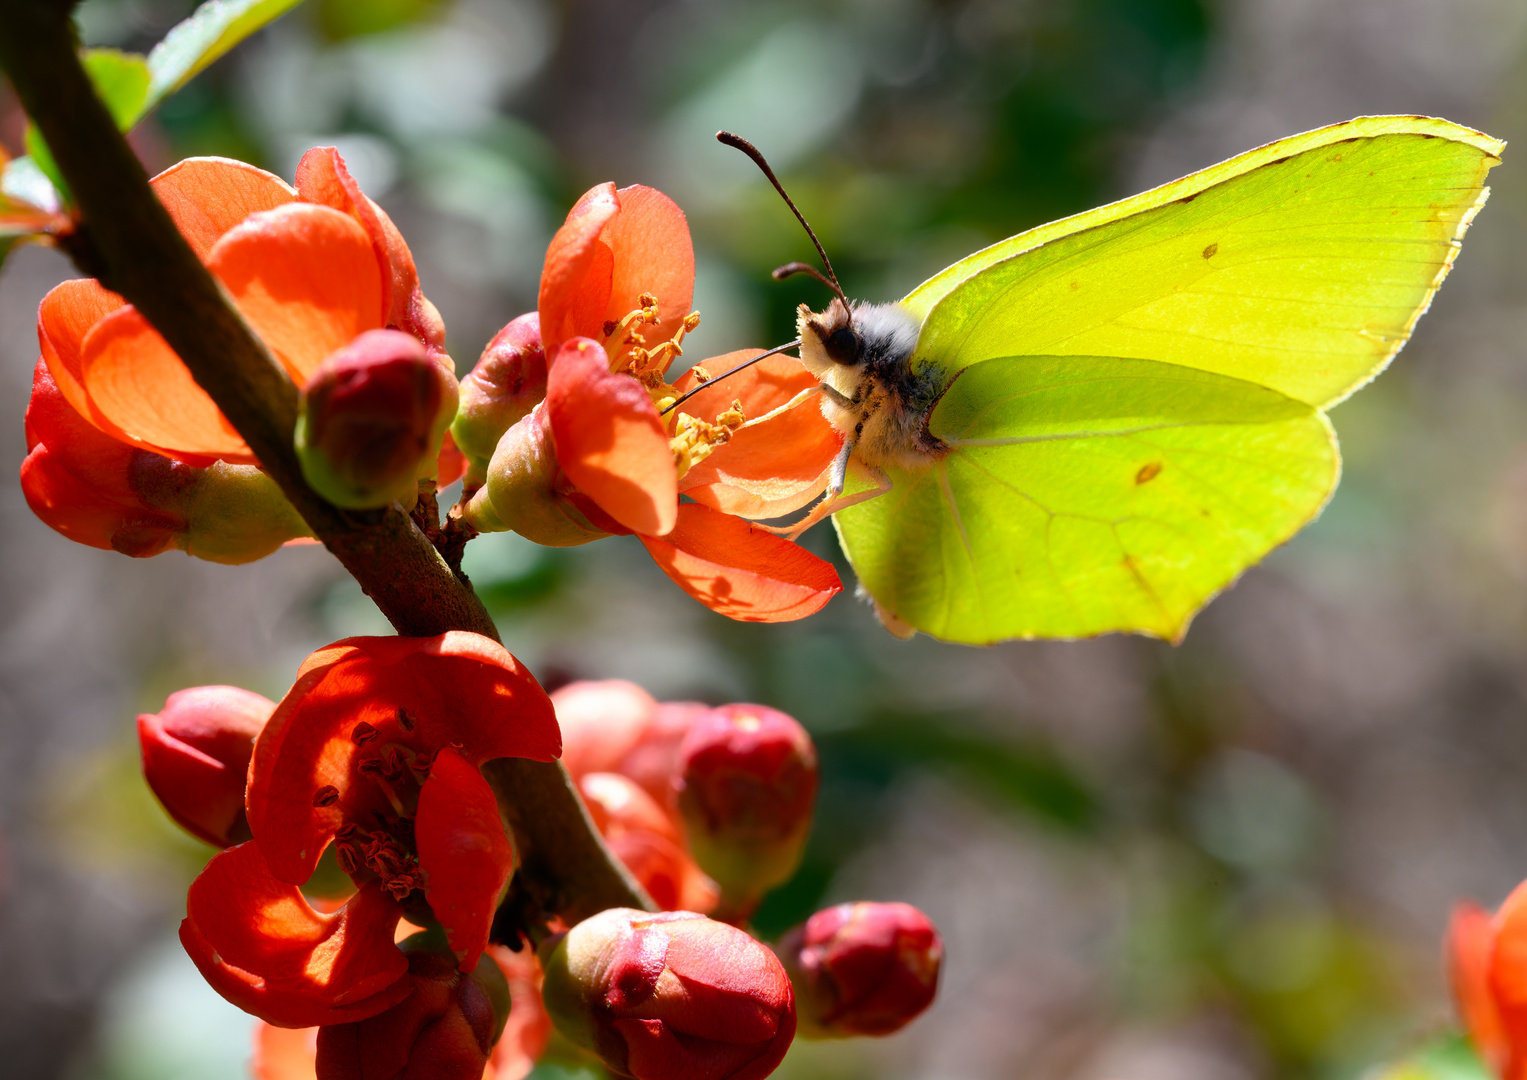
(464,851)
(610,441)
(775,467)
(1470,939)
(575,279)
(742,571)
(652,251)
(306,278)
(79,480)
(207,196)
(66,315)
(284,1053)
(323,178)
(459,689)
(264,948)
(140,390)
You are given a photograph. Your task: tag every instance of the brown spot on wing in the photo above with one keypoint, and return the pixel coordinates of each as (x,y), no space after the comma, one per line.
(1211,251)
(1148,472)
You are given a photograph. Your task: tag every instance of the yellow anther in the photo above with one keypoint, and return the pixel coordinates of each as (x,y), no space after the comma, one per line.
(694,439)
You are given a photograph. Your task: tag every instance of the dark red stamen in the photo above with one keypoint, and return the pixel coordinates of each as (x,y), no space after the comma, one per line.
(327,795)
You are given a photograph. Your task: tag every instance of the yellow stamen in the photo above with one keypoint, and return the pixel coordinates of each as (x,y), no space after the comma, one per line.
(695,439)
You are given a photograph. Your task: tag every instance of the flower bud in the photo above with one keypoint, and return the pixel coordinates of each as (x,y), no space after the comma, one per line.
(669,995)
(372,419)
(862,969)
(747,782)
(444,1030)
(508,381)
(521,491)
(196,757)
(644,837)
(102,492)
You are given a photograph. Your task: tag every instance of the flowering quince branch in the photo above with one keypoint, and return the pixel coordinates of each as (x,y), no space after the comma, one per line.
(127,239)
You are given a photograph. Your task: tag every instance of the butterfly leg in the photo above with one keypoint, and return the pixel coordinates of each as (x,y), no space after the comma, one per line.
(835,500)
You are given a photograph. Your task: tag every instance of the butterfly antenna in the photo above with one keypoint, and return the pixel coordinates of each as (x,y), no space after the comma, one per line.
(712,382)
(737,142)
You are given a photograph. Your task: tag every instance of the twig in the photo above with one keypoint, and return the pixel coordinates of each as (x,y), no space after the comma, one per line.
(127,239)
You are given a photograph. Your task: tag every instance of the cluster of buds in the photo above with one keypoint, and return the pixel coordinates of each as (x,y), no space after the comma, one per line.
(736,786)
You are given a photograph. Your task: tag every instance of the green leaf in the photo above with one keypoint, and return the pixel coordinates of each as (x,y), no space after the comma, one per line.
(122,81)
(213,29)
(1133,398)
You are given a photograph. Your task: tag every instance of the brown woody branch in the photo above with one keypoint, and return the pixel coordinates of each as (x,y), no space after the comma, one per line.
(126,238)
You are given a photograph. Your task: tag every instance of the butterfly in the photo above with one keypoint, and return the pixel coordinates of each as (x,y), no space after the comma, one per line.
(1098,424)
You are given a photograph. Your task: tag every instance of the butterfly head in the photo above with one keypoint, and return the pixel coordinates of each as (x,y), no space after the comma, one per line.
(829,341)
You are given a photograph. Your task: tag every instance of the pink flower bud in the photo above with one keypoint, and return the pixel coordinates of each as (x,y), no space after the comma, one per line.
(444,1030)
(862,969)
(372,420)
(508,381)
(644,837)
(746,782)
(196,758)
(669,995)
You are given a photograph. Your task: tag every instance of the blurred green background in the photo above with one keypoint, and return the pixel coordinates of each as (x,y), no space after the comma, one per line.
(1223,861)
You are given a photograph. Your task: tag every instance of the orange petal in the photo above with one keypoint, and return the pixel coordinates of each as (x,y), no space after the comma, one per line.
(142,392)
(742,571)
(575,280)
(1508,982)
(284,1053)
(208,196)
(66,315)
(1470,939)
(653,253)
(610,441)
(776,467)
(306,278)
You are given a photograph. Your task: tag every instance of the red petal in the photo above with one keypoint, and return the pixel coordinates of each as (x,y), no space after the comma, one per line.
(575,279)
(464,851)
(137,386)
(451,465)
(652,251)
(323,178)
(66,315)
(742,571)
(306,277)
(208,196)
(79,480)
(284,1053)
(1470,939)
(459,689)
(610,441)
(775,467)
(264,948)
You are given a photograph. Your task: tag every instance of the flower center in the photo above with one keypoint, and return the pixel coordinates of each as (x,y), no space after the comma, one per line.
(387,847)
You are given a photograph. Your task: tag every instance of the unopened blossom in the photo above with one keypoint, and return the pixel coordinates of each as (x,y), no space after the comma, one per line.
(862,968)
(746,783)
(196,754)
(673,994)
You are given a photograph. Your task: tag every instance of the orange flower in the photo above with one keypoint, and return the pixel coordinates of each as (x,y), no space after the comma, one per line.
(599,456)
(1487,965)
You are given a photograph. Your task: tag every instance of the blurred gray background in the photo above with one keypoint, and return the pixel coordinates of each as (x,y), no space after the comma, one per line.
(1228,860)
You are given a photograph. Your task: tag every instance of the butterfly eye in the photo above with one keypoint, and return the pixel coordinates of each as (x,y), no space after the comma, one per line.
(843,345)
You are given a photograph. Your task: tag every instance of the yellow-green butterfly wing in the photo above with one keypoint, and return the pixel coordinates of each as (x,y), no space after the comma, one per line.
(1135,408)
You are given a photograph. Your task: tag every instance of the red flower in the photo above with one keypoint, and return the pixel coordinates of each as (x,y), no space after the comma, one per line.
(1487,964)
(102,492)
(670,995)
(862,969)
(310,269)
(377,748)
(616,726)
(196,758)
(598,457)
